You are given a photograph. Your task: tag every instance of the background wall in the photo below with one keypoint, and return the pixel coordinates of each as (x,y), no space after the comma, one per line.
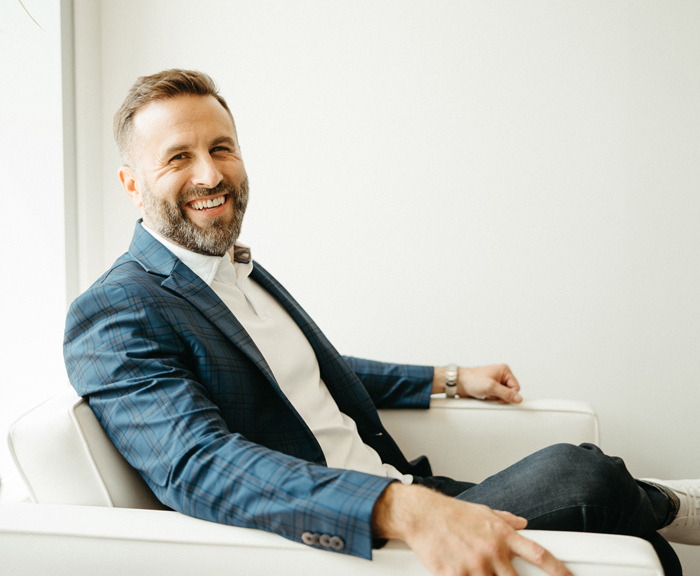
(33,231)
(475,181)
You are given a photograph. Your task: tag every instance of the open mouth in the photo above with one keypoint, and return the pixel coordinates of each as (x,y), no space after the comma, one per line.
(210,204)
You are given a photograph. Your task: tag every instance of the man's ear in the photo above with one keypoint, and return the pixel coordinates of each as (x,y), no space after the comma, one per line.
(131,185)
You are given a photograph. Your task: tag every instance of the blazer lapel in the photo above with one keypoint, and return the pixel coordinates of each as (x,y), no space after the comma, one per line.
(320,344)
(342,382)
(191,287)
(178,278)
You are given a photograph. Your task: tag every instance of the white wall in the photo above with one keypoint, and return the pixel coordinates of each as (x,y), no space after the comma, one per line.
(473,181)
(33,262)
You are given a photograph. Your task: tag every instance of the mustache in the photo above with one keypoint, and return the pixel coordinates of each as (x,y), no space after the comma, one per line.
(222,187)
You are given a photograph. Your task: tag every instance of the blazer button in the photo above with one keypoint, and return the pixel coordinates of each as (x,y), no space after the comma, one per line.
(325,540)
(309,538)
(337,543)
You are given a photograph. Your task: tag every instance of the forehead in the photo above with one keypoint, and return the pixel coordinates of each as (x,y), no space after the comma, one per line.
(181,120)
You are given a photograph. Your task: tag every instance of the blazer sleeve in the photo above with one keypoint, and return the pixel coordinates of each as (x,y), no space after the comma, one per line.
(394,385)
(131,363)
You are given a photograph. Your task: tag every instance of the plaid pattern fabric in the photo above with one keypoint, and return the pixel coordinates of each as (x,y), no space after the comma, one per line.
(187,398)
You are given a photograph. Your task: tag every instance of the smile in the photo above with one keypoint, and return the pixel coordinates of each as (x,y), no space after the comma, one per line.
(208,204)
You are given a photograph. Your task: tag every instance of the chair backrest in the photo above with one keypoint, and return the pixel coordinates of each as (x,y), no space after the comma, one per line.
(65,457)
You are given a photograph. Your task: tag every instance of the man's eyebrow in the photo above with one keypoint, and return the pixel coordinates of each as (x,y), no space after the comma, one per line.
(176,148)
(224,140)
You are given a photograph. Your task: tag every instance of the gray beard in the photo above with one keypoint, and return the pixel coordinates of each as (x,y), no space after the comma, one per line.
(170,220)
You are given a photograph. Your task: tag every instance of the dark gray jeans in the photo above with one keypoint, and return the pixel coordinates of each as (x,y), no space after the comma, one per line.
(576,488)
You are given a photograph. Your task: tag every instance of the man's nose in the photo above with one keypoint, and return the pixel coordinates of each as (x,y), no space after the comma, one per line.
(206,173)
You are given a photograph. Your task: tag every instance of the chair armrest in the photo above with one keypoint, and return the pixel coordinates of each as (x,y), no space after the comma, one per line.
(83,540)
(470,439)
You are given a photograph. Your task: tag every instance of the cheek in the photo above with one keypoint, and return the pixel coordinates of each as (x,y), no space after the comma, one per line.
(169,189)
(233,172)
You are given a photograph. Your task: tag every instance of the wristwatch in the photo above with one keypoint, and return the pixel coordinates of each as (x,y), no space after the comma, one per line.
(451,380)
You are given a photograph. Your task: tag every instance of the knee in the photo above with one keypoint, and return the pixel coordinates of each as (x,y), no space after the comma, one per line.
(587,471)
(570,456)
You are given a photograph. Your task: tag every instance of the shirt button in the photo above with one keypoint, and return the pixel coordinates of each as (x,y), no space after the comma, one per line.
(325,540)
(337,543)
(309,538)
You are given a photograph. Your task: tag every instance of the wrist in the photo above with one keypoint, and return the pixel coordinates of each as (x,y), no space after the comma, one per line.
(393,515)
(440,376)
(439,379)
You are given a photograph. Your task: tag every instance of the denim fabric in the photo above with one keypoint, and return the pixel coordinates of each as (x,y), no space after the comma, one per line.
(576,488)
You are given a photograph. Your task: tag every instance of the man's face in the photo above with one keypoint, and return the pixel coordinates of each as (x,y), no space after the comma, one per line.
(189,179)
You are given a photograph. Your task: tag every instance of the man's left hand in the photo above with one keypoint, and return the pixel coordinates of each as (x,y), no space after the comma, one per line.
(494,382)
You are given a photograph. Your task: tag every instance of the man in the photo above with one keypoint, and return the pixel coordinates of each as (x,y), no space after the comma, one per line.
(216,385)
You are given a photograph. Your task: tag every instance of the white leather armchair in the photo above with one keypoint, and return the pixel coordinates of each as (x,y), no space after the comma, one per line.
(93,514)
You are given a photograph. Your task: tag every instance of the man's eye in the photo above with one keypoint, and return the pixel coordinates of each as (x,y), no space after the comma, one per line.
(221,149)
(178,157)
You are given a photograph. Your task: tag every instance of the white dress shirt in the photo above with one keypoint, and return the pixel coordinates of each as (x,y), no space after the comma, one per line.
(288,354)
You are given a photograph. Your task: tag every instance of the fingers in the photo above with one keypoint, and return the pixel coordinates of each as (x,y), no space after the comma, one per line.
(537,555)
(516,522)
(456,537)
(509,379)
(504,393)
(494,382)
(508,387)
(511,382)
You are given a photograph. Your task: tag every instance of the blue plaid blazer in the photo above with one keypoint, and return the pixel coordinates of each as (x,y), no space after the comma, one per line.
(188,399)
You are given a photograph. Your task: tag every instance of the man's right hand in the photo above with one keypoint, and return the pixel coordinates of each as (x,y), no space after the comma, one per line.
(456,538)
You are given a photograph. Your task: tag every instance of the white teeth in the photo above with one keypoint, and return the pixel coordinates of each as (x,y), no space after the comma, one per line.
(202,204)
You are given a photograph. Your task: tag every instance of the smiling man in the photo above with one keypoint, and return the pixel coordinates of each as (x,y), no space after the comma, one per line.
(189,178)
(215,384)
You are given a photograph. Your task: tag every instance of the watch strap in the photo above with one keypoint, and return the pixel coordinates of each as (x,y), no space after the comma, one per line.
(451,380)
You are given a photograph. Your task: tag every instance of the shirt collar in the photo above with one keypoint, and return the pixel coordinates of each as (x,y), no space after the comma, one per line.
(203,265)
